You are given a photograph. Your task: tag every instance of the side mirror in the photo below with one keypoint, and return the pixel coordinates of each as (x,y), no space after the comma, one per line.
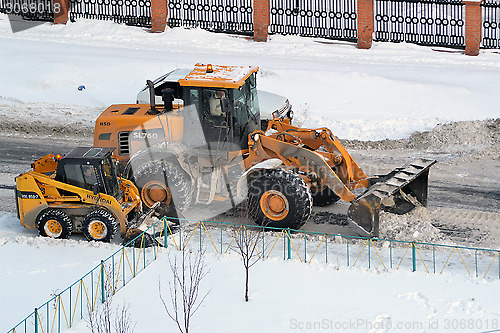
(95,189)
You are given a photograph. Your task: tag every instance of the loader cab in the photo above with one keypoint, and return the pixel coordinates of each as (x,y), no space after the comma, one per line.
(227,115)
(90,168)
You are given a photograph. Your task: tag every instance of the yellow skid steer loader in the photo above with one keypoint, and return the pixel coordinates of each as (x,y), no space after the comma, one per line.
(80,192)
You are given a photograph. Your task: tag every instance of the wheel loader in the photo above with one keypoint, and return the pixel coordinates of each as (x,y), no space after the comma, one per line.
(183,153)
(80,192)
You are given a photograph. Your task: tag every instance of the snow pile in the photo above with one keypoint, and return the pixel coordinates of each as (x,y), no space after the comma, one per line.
(448,137)
(46,118)
(413,226)
(459,136)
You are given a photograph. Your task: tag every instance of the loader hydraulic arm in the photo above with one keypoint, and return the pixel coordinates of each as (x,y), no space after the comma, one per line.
(323,142)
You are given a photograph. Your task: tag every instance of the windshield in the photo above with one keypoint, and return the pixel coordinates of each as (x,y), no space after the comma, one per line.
(109,173)
(253,97)
(246,101)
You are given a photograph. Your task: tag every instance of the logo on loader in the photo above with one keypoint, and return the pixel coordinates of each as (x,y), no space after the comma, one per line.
(95,198)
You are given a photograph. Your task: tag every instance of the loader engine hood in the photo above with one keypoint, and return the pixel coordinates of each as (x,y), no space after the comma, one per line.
(131,128)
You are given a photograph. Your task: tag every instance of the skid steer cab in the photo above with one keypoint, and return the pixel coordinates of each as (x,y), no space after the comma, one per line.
(79,192)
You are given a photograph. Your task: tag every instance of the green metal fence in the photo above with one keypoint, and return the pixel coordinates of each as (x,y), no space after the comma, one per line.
(75,302)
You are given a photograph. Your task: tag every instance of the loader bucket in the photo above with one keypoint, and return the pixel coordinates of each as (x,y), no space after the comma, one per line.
(157,211)
(397,192)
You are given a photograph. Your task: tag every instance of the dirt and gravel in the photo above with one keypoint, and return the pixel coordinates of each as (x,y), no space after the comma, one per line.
(464,186)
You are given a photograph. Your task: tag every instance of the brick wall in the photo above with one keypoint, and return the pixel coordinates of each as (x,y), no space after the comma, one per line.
(473,26)
(365,23)
(61,10)
(159,11)
(261,19)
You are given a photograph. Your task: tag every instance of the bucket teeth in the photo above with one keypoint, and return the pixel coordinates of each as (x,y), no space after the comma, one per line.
(405,187)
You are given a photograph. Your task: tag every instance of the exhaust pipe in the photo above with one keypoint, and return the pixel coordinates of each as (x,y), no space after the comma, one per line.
(152,100)
(167,95)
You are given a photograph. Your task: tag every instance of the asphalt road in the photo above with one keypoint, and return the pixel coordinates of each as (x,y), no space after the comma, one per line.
(16,156)
(448,188)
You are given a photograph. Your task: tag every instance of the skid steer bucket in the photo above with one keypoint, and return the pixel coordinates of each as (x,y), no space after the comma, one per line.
(156,212)
(397,192)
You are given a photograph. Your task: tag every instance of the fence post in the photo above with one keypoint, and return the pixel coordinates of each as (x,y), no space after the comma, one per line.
(61,11)
(365,23)
(36,320)
(159,10)
(347,251)
(261,20)
(413,257)
(369,254)
(289,245)
(473,26)
(200,235)
(102,282)
(165,232)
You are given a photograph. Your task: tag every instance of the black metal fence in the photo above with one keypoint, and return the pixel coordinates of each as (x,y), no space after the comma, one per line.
(130,12)
(37,10)
(491,24)
(335,19)
(424,22)
(231,16)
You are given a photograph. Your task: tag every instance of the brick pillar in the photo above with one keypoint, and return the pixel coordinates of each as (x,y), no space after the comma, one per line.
(473,25)
(365,24)
(159,10)
(261,20)
(61,10)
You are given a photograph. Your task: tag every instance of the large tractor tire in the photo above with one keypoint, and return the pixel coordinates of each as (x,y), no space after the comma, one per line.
(163,181)
(100,225)
(280,198)
(325,197)
(54,223)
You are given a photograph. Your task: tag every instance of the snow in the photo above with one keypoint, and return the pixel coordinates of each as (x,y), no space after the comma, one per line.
(290,296)
(389,91)
(284,295)
(35,268)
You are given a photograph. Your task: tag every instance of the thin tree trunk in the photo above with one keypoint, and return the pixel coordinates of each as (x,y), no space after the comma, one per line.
(246,284)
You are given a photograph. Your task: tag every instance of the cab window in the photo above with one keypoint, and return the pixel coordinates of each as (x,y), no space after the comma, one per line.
(83,176)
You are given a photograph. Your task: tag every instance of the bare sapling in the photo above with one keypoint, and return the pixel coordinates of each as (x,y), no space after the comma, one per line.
(184,288)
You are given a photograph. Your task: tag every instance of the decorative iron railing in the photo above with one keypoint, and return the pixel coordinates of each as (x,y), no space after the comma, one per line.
(230,16)
(130,12)
(335,19)
(424,22)
(491,24)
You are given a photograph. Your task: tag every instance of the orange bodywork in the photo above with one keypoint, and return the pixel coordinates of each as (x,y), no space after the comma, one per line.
(144,129)
(316,153)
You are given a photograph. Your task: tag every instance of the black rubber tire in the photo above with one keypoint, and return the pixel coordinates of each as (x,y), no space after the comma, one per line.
(325,197)
(59,216)
(108,221)
(178,182)
(292,187)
